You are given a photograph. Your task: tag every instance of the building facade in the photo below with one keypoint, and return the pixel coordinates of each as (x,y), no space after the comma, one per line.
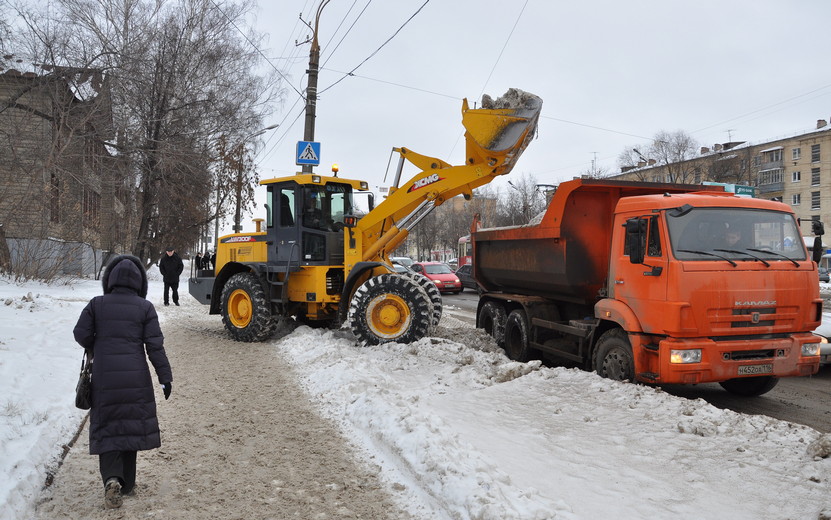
(795,170)
(64,196)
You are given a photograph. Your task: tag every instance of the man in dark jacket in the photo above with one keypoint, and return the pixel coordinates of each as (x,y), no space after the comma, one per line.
(171,267)
(120,330)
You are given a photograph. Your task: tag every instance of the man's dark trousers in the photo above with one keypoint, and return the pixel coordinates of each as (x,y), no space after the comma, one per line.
(175,287)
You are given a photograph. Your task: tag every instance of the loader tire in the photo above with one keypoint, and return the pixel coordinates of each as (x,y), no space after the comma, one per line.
(750,386)
(613,358)
(516,337)
(389,308)
(492,319)
(434,294)
(245,310)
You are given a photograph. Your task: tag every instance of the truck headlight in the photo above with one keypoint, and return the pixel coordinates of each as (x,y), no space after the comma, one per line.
(685,356)
(810,349)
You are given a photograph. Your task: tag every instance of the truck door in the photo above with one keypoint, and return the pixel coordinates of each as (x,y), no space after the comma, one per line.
(642,286)
(281,224)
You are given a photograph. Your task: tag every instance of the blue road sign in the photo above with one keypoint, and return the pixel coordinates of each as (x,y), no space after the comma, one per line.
(308,153)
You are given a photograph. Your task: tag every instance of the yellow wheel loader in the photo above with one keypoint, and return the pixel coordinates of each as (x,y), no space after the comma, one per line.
(317,261)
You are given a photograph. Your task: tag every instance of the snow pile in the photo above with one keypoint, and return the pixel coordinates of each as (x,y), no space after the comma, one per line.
(459,431)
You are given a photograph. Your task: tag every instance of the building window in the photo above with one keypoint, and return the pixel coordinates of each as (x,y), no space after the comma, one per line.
(54,198)
(814,153)
(796,176)
(92,208)
(757,160)
(796,199)
(814,200)
(814,176)
(773,156)
(796,153)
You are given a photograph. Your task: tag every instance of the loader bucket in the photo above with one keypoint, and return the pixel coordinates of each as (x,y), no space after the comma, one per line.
(498,133)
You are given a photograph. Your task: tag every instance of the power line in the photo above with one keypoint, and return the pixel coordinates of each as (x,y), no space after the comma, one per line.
(329,55)
(508,39)
(379,48)
(596,127)
(394,84)
(255,47)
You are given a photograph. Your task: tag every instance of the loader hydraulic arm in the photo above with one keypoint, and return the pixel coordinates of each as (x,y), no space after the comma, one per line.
(495,137)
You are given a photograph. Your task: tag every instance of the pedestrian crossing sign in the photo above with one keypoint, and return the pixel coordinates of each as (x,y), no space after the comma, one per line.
(308,153)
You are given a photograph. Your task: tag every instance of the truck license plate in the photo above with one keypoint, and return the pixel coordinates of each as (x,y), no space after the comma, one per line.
(755,369)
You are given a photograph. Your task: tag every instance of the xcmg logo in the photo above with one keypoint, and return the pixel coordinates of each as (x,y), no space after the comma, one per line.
(426,181)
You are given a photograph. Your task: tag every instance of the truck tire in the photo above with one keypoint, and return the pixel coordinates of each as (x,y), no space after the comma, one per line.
(245,310)
(750,386)
(389,308)
(516,336)
(613,357)
(492,320)
(434,294)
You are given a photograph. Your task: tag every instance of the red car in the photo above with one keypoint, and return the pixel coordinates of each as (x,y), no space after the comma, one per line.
(441,275)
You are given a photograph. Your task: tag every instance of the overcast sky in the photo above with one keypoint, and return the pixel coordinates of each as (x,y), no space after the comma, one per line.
(611,75)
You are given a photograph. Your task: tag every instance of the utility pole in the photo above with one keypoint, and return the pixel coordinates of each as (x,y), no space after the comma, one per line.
(311,87)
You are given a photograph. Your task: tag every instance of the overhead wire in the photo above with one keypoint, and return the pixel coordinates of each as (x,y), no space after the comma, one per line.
(379,48)
(253,45)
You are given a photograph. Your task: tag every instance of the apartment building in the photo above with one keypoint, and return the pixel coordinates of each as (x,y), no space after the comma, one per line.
(794,169)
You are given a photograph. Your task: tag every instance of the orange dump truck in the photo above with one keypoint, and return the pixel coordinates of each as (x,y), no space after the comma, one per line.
(658,283)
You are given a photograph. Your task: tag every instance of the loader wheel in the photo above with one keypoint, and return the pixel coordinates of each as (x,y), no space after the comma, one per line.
(613,357)
(389,308)
(433,293)
(245,310)
(516,336)
(492,320)
(750,386)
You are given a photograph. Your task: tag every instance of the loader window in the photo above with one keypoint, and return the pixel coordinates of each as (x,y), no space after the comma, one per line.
(285,206)
(325,206)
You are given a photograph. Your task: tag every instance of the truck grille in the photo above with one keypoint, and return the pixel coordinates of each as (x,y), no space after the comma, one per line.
(742,355)
(753,317)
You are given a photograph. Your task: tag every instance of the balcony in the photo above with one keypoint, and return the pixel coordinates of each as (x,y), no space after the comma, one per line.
(774,187)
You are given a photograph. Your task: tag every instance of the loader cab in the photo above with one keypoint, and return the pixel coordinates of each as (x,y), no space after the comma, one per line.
(305,220)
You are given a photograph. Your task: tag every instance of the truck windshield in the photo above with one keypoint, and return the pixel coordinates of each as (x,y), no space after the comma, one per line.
(735,234)
(325,206)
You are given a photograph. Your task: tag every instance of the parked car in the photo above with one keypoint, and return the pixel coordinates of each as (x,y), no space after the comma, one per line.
(465,274)
(441,275)
(823,275)
(824,332)
(404,260)
(400,268)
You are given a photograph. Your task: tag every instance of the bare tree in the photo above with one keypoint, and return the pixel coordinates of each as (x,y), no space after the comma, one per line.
(672,151)
(181,77)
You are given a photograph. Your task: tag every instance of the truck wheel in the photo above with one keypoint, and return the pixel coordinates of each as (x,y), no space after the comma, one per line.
(433,293)
(245,310)
(750,386)
(492,320)
(613,357)
(516,336)
(389,308)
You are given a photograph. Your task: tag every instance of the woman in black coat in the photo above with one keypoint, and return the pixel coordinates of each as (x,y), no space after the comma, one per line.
(117,329)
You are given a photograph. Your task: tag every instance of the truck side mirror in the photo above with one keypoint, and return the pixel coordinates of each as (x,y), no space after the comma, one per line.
(371,201)
(816,253)
(635,239)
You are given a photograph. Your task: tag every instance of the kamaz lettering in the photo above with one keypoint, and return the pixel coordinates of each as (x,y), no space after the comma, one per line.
(430,179)
(755,304)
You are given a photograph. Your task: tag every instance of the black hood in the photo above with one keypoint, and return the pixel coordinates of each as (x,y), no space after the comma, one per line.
(125,271)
